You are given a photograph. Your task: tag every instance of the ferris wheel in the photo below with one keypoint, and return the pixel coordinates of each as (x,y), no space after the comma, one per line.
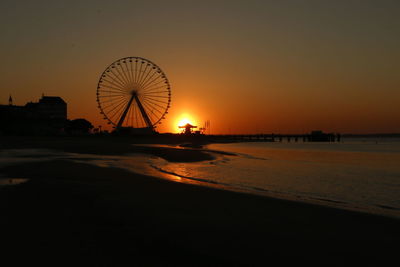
(133,92)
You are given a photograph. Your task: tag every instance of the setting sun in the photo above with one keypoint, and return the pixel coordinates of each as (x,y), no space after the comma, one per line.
(183,120)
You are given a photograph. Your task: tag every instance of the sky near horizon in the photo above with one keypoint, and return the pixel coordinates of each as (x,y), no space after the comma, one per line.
(247,66)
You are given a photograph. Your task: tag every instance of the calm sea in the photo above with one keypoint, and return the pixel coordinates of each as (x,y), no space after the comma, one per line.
(358,174)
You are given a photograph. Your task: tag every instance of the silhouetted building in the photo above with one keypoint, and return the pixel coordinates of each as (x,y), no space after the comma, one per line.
(48,107)
(48,116)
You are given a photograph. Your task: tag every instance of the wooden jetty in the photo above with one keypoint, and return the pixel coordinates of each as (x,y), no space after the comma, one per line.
(315,136)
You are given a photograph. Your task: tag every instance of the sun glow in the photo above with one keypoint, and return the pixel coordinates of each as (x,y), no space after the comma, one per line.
(183,120)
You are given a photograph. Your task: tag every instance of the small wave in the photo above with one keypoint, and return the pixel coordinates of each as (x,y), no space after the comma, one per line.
(248,156)
(387,207)
(188,177)
(328,200)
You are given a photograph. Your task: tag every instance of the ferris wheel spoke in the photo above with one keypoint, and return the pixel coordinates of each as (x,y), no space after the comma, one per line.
(110,100)
(135,80)
(147,78)
(111,83)
(151,81)
(116,103)
(114,116)
(151,90)
(128,70)
(155,85)
(117,77)
(133,72)
(125,70)
(129,67)
(153,78)
(155,81)
(155,92)
(153,117)
(158,96)
(158,118)
(111,88)
(121,74)
(130,82)
(157,100)
(110,95)
(106,88)
(140,72)
(117,112)
(154,103)
(115,82)
(145,73)
(151,109)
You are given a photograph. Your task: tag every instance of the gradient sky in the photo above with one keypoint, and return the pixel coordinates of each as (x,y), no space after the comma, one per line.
(247,66)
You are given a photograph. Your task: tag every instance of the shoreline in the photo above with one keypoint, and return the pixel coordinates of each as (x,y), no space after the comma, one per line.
(69,200)
(174,152)
(90,215)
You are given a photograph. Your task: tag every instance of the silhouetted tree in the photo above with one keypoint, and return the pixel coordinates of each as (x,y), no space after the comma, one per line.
(79,126)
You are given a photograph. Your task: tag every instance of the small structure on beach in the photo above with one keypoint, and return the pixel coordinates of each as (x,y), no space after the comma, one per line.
(187,128)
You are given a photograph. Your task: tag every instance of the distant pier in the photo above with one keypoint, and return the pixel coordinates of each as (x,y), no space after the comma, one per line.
(316,136)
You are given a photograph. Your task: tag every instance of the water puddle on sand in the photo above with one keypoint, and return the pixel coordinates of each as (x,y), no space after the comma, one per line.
(12,181)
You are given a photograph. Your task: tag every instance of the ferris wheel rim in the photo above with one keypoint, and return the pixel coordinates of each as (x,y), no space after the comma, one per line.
(120,86)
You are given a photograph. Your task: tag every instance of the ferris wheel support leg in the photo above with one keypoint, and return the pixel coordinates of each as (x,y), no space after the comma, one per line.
(121,120)
(144,114)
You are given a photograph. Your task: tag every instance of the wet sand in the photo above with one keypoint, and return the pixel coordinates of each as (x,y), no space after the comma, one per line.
(78,214)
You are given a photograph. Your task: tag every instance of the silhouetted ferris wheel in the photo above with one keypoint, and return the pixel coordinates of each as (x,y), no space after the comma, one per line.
(133,92)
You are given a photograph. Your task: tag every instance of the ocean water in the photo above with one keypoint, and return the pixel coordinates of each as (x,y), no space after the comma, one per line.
(357,174)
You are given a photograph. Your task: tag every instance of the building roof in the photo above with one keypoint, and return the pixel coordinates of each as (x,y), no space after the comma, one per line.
(51,100)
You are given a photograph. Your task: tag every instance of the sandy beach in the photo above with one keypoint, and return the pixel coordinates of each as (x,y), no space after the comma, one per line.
(78,214)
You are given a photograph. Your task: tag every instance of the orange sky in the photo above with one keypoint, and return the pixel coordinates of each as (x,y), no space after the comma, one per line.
(247,66)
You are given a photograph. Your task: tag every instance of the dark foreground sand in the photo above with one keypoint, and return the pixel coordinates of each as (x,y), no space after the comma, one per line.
(75,214)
